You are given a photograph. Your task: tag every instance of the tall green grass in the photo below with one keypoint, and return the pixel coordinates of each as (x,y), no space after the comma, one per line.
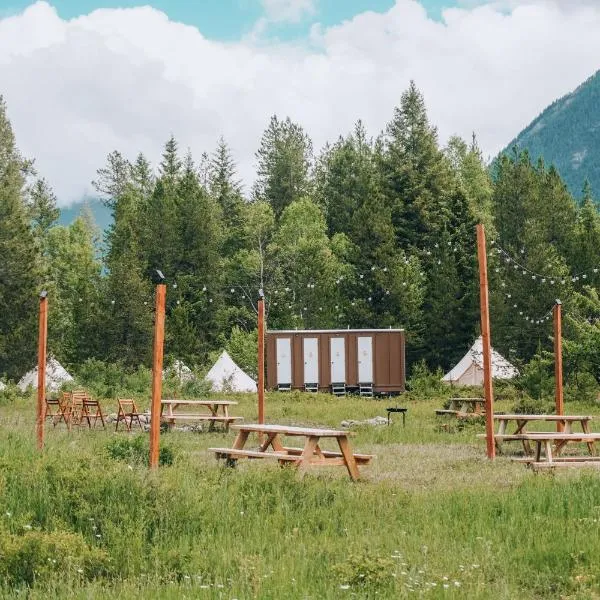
(431,516)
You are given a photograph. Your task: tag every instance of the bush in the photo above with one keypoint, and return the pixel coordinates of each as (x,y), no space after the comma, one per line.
(365,571)
(108,380)
(426,383)
(537,379)
(39,556)
(533,406)
(583,388)
(10,394)
(136,450)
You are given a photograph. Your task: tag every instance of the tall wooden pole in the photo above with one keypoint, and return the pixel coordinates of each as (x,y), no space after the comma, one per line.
(487,346)
(157,365)
(41,389)
(558,367)
(261,358)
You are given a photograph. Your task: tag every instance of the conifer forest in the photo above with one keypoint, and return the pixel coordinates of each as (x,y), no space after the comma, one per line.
(377,229)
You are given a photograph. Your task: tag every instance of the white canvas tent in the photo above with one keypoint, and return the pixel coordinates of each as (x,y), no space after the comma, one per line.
(2,386)
(56,375)
(225,375)
(180,370)
(469,370)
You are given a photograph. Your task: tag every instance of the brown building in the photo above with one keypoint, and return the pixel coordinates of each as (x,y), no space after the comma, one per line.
(367,361)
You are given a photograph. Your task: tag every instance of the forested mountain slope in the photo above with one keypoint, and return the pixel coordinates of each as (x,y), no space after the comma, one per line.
(567,135)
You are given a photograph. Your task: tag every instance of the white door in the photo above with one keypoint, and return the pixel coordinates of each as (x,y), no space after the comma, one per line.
(284,361)
(311,360)
(338,359)
(365,360)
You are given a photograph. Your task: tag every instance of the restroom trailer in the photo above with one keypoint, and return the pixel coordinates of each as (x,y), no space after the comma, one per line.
(364,361)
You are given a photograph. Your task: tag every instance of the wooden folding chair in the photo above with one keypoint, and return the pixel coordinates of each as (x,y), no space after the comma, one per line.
(92,410)
(64,410)
(52,408)
(77,412)
(128,412)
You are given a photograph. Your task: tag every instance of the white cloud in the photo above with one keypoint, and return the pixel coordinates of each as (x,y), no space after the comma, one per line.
(288,10)
(127,79)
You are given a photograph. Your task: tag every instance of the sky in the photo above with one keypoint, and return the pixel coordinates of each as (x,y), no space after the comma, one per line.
(84,77)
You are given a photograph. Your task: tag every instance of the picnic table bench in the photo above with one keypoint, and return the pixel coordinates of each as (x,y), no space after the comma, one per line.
(522,421)
(311,455)
(218,411)
(553,444)
(463,407)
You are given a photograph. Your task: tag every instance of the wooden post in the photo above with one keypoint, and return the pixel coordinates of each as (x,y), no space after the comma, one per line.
(487,346)
(558,369)
(157,365)
(261,357)
(41,390)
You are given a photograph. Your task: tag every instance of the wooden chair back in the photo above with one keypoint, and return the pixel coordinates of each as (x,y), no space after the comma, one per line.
(128,413)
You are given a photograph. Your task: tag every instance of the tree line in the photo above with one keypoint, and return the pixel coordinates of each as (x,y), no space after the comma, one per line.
(368,232)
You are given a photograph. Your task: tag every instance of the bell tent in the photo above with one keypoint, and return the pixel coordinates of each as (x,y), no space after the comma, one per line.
(225,375)
(56,375)
(469,370)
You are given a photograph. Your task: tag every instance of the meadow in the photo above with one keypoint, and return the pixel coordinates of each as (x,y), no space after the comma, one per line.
(431,517)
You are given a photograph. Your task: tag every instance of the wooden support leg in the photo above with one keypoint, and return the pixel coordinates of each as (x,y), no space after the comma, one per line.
(240,440)
(548,445)
(307,454)
(348,458)
(538,450)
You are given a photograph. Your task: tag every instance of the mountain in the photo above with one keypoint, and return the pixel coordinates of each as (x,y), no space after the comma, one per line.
(101,213)
(567,135)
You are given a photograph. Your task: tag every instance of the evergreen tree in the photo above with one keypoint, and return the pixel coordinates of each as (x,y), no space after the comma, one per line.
(19,268)
(112,178)
(227,191)
(417,174)
(284,160)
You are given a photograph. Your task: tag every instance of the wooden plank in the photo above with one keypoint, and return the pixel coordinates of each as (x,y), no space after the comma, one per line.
(517,417)
(198,418)
(290,430)
(551,435)
(444,411)
(199,402)
(359,458)
(232,453)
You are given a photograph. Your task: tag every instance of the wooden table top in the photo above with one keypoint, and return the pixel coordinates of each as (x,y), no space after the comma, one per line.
(542,418)
(290,430)
(200,402)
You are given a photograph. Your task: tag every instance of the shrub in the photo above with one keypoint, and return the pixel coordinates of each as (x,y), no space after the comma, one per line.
(583,388)
(364,570)
(537,379)
(136,449)
(10,394)
(40,556)
(427,383)
(533,406)
(107,380)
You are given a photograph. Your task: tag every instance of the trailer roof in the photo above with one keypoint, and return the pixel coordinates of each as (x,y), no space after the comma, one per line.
(335,330)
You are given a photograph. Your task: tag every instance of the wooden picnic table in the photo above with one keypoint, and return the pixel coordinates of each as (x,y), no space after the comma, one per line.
(218,411)
(463,407)
(522,421)
(311,455)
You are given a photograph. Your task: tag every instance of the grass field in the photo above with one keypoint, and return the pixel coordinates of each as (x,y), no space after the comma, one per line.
(431,518)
